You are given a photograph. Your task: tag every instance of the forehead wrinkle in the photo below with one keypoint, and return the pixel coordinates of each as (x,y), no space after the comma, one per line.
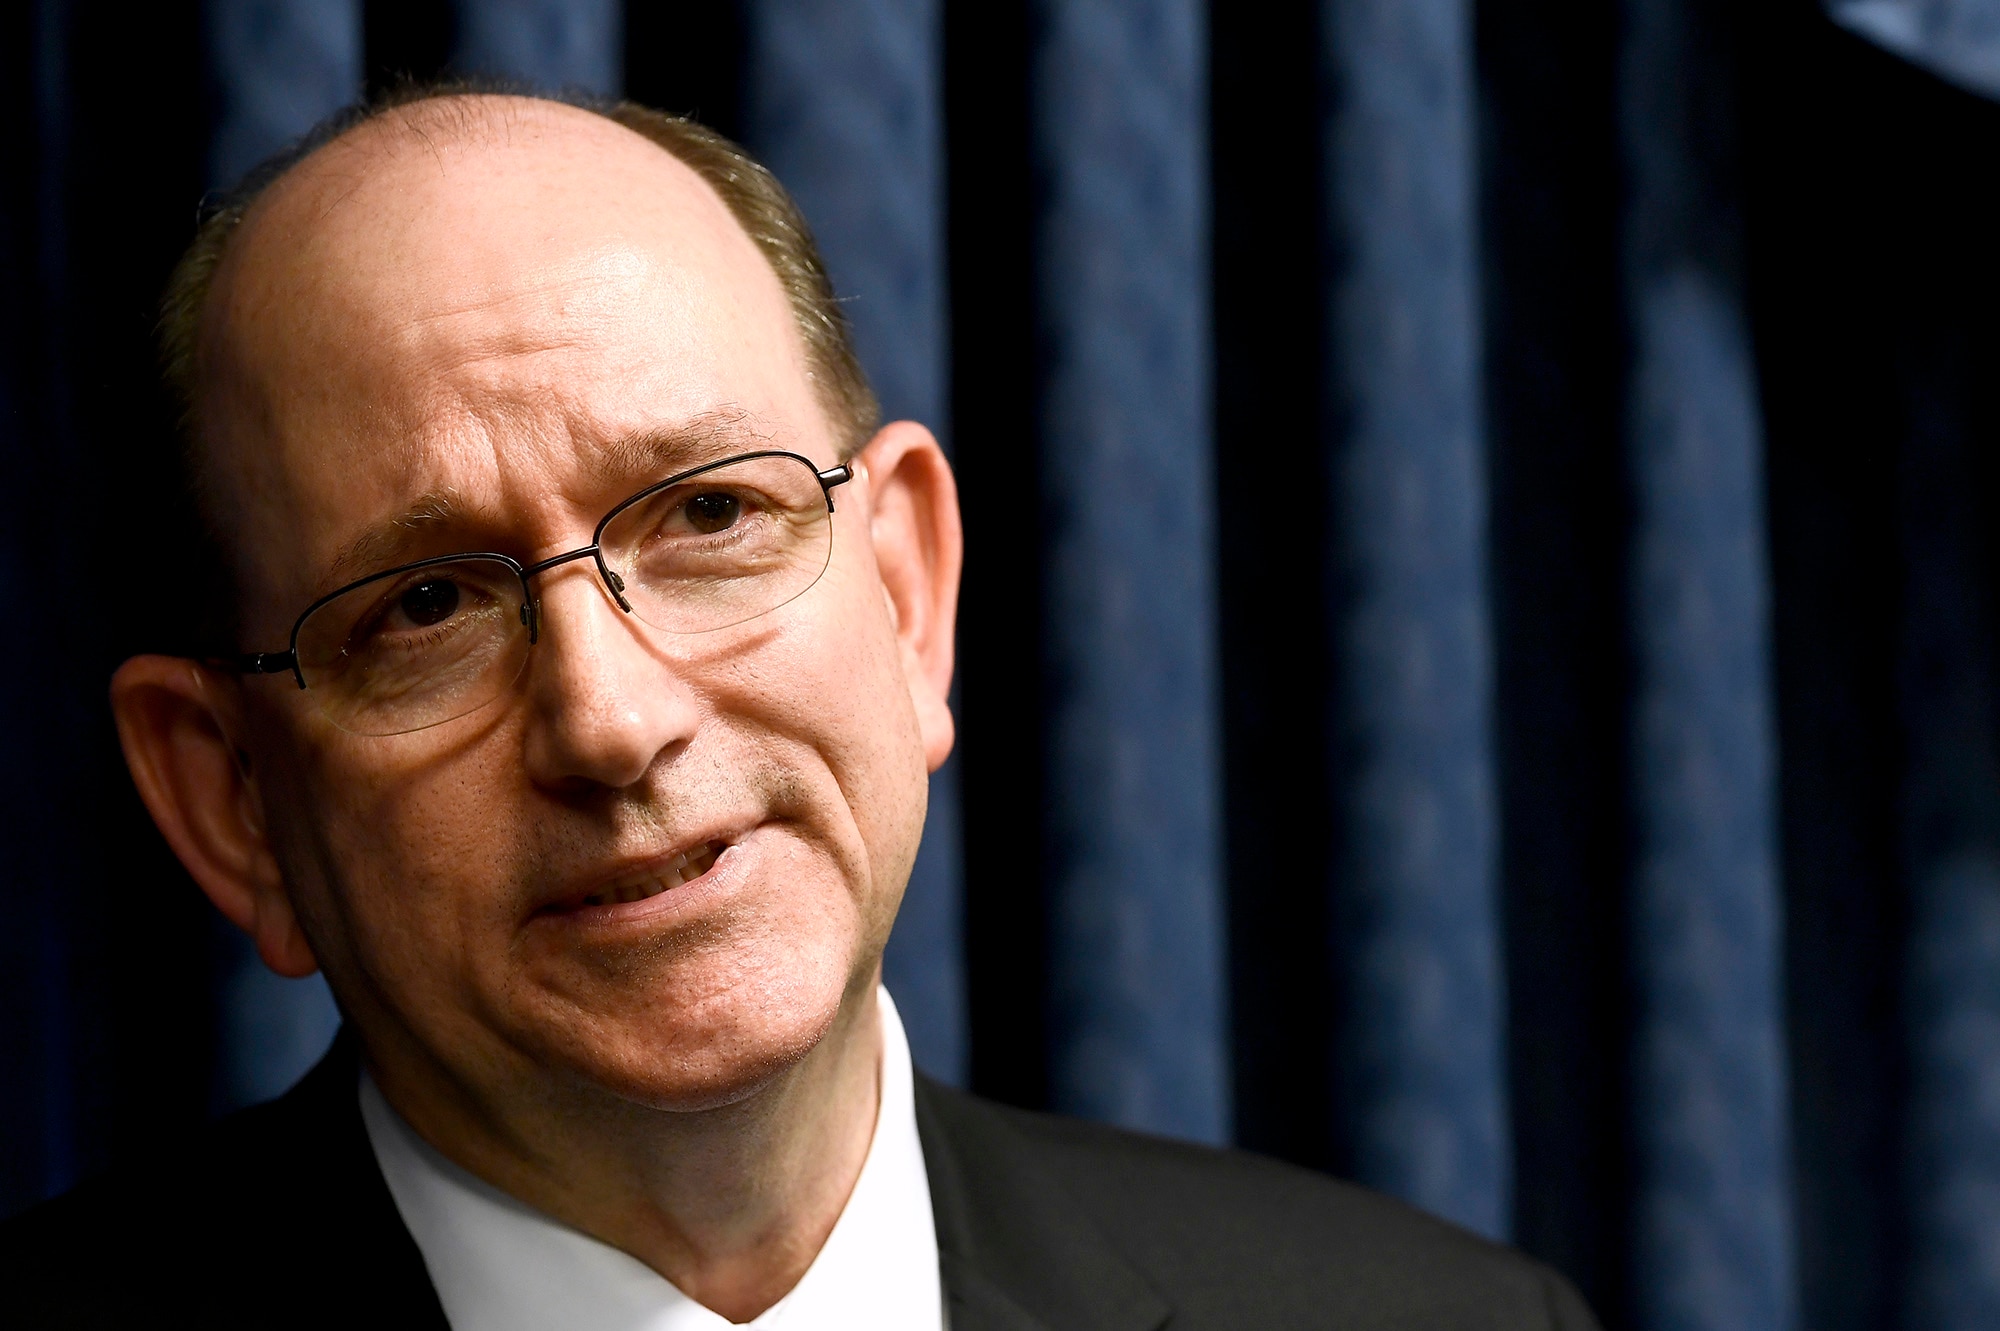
(610,272)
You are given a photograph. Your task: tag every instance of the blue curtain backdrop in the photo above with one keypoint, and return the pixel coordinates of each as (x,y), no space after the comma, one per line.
(1130,844)
(1481,636)
(1711,1239)
(1414,870)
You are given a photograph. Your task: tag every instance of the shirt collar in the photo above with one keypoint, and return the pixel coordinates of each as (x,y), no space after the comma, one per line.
(500,1265)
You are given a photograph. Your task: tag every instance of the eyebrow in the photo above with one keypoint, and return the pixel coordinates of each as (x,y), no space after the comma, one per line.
(638,458)
(658,454)
(387,544)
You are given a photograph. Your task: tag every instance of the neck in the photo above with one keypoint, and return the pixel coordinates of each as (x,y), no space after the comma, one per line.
(731,1204)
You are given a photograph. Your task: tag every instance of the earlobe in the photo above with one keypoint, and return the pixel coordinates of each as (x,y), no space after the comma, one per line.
(175,726)
(919,551)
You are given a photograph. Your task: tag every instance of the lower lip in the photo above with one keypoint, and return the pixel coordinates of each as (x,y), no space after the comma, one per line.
(722,877)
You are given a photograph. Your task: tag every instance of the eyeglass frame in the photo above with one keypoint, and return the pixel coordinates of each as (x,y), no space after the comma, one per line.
(278,663)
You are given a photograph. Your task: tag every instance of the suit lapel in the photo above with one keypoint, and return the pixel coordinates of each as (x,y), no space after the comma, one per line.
(1014,1252)
(345,1258)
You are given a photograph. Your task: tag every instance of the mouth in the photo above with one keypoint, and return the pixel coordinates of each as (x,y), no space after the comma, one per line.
(654,879)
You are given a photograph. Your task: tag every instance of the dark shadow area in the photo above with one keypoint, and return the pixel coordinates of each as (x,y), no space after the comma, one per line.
(39,1134)
(1873,280)
(405,41)
(1555,368)
(103,166)
(687,59)
(990,211)
(1271,539)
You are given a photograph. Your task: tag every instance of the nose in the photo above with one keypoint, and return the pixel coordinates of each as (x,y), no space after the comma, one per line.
(603,704)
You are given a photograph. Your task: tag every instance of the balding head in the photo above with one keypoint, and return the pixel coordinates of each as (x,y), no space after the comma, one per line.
(361,150)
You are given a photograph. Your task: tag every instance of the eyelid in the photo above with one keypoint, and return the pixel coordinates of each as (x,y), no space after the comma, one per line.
(395,585)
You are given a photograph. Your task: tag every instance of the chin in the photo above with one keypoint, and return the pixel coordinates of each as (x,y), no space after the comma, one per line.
(710,1032)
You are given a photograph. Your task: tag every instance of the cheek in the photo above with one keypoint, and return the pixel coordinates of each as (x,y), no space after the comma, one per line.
(404,869)
(831,682)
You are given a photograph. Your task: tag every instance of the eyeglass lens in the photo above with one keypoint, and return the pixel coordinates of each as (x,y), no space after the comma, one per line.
(422,646)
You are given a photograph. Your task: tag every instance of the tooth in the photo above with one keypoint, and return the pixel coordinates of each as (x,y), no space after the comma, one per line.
(679,871)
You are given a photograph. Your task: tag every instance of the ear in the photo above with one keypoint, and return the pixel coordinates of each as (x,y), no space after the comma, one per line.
(919,550)
(175,721)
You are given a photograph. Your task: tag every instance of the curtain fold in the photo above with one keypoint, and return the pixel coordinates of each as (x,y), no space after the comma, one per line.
(1957,40)
(1712,1243)
(1132,863)
(1951,852)
(1947,825)
(1422,1049)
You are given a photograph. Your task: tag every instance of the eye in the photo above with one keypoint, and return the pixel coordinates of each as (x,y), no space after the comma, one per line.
(712,512)
(429,603)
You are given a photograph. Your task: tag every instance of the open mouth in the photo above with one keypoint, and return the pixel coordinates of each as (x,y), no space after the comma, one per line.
(677,872)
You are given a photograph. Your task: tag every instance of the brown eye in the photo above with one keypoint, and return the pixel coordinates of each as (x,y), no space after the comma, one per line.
(711,513)
(428,603)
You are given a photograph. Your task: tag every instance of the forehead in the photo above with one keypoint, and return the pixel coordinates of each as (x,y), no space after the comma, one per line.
(483,299)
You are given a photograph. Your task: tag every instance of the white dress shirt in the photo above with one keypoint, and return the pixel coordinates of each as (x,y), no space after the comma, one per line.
(500,1265)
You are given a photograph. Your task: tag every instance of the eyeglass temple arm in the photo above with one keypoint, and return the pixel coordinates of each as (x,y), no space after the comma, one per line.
(833,476)
(265,663)
(262,663)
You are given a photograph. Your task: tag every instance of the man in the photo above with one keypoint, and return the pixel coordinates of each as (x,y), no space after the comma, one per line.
(588,651)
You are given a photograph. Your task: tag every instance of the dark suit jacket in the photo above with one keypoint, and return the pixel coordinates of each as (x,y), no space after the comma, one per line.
(278,1217)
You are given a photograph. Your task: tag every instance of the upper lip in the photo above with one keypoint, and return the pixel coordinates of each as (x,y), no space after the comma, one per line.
(637,871)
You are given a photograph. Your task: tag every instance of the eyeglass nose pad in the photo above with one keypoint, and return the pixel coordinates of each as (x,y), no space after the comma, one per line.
(531,621)
(617,586)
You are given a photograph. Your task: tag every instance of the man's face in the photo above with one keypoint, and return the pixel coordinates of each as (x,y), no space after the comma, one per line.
(482,341)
